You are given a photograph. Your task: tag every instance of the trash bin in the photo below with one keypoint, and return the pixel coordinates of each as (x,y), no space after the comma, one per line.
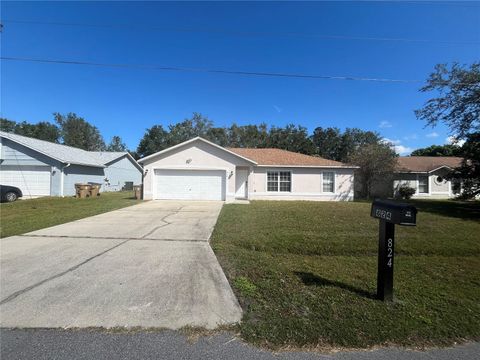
(137,189)
(94,189)
(82,190)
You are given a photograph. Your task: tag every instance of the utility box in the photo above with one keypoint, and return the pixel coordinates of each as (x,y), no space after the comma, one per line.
(389,213)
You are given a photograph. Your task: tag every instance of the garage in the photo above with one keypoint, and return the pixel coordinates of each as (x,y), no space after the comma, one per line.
(32,180)
(177,184)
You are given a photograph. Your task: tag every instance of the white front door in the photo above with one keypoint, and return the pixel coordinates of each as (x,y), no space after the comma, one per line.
(33,180)
(190,184)
(241,183)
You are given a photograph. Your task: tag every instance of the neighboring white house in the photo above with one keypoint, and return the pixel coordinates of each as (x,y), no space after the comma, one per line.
(426,174)
(42,168)
(200,170)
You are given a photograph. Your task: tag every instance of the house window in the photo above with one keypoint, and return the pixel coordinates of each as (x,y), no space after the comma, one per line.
(279,181)
(329,182)
(423,184)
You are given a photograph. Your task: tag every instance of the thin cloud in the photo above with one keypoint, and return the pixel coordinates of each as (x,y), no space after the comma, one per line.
(432,135)
(390,141)
(410,137)
(385,125)
(396,145)
(278,109)
(403,150)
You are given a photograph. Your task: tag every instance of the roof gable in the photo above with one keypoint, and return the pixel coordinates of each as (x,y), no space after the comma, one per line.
(142,160)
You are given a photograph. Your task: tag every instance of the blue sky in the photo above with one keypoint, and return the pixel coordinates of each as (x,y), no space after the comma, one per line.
(126,101)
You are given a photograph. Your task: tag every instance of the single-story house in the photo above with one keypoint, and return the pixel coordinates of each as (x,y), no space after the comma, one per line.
(201,170)
(42,168)
(426,174)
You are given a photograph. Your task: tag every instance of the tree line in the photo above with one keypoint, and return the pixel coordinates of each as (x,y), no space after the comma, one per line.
(68,129)
(329,142)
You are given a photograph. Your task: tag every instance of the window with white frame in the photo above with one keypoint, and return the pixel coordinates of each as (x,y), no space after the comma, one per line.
(328,182)
(422,184)
(279,181)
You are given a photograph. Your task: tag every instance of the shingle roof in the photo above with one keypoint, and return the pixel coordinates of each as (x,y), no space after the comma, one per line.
(426,163)
(64,153)
(107,156)
(270,156)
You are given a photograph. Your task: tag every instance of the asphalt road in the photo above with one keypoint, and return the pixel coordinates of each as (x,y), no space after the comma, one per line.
(59,344)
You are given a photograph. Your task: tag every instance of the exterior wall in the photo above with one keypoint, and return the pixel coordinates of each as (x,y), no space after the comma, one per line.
(80,174)
(306,184)
(12,153)
(195,155)
(436,189)
(120,171)
(402,179)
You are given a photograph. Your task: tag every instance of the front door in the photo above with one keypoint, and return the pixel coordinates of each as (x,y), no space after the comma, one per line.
(241,183)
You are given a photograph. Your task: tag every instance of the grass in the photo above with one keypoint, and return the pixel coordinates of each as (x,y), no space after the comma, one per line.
(305,274)
(28,215)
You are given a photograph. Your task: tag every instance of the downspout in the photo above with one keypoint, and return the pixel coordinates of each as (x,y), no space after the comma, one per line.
(61,178)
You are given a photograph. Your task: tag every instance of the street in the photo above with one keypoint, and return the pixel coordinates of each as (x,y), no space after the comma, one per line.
(72,344)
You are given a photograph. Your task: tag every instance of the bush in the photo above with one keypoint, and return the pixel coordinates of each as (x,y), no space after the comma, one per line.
(406,192)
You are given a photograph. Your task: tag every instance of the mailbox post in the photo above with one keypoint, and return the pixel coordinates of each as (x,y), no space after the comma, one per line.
(389,213)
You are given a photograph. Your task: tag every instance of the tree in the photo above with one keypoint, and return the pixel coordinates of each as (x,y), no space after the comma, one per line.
(327,142)
(469,172)
(7,125)
(439,150)
(331,144)
(253,136)
(354,138)
(457,106)
(292,138)
(155,139)
(116,144)
(198,125)
(42,130)
(458,103)
(217,135)
(376,165)
(77,132)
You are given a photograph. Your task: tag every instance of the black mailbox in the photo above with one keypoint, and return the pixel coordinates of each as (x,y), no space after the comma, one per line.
(389,213)
(395,213)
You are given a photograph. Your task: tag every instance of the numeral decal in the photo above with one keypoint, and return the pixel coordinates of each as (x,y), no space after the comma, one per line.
(390,252)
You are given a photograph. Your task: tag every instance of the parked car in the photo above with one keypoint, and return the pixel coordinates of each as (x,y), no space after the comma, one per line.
(10,193)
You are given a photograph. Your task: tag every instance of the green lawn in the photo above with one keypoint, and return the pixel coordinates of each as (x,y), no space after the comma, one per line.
(28,215)
(305,274)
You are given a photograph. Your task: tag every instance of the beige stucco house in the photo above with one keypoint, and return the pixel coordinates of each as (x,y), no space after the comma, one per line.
(426,174)
(201,170)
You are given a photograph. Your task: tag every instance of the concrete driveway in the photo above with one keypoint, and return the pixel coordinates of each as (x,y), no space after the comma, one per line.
(148,265)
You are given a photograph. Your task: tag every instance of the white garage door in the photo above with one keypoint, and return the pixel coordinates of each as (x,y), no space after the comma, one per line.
(190,184)
(32,180)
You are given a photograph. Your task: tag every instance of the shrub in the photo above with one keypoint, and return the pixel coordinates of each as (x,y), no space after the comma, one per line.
(406,192)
